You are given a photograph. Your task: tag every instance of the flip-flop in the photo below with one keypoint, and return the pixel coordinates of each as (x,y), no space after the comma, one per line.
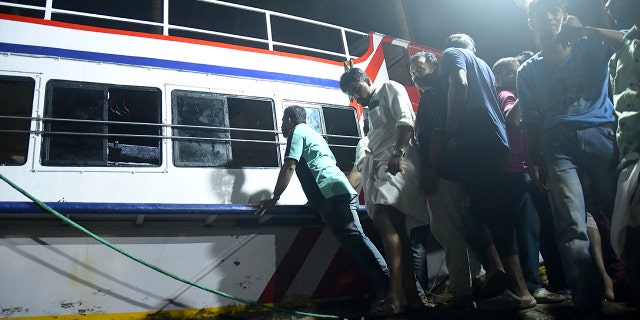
(506,301)
(545,296)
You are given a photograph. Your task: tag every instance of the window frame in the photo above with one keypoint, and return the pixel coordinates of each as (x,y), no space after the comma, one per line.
(104,123)
(11,119)
(230,161)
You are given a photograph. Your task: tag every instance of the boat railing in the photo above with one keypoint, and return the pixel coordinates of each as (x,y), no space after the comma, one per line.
(157,125)
(336,43)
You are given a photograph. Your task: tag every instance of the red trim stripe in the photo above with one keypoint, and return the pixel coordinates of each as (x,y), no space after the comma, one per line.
(367,53)
(343,278)
(290,265)
(376,61)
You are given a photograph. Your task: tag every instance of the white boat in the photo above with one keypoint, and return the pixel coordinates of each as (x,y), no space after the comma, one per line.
(156,141)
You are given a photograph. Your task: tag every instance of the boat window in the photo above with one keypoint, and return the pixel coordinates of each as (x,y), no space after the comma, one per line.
(92,124)
(213,130)
(314,119)
(343,135)
(16,101)
(257,146)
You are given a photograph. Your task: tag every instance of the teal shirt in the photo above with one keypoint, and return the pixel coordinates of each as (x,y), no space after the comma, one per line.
(306,144)
(624,68)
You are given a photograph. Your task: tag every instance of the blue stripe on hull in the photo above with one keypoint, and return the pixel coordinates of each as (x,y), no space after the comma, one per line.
(162,63)
(150,208)
(138,208)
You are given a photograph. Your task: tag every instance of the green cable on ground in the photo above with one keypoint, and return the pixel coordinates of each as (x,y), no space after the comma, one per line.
(156,268)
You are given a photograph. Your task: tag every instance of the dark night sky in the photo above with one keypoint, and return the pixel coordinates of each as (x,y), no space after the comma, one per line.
(499,27)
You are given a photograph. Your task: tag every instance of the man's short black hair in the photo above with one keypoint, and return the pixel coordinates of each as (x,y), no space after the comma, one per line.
(429,58)
(460,40)
(296,113)
(350,76)
(536,6)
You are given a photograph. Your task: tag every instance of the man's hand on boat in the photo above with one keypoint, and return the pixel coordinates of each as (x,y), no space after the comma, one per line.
(264,205)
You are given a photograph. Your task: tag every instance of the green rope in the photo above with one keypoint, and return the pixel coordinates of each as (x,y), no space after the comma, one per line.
(156,268)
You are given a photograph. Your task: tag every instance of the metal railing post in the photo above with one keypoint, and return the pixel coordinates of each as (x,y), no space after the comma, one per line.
(47,10)
(345,44)
(165,17)
(269,35)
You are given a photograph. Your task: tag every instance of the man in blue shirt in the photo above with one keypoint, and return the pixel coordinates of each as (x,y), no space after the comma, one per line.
(477,133)
(327,190)
(568,125)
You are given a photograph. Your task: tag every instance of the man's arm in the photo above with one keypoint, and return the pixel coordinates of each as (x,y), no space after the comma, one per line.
(456,99)
(613,37)
(284,177)
(513,115)
(404,134)
(533,154)
(355,177)
(402,111)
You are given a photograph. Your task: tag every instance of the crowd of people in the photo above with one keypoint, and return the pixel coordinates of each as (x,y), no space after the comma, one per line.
(537,155)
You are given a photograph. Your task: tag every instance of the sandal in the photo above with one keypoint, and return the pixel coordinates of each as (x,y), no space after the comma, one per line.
(388,306)
(507,301)
(566,293)
(545,296)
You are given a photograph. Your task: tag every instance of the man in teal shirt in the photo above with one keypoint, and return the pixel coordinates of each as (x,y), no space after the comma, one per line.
(327,190)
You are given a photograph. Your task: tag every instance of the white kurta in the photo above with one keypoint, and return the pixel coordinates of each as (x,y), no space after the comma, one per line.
(389,108)
(626,212)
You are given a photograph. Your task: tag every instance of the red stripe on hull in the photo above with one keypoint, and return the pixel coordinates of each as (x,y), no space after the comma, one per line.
(290,265)
(343,278)
(376,61)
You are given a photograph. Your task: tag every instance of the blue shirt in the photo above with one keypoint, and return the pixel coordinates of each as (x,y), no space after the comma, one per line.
(570,92)
(482,122)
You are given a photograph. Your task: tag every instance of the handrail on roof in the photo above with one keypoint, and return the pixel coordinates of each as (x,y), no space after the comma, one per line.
(49,10)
